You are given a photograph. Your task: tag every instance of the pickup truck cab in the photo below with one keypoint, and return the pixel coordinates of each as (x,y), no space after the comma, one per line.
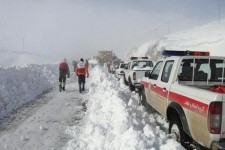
(189,91)
(135,71)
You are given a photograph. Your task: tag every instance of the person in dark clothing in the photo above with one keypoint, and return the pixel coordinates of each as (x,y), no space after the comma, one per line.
(81,71)
(63,71)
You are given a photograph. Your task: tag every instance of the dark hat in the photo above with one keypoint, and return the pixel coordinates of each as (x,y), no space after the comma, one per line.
(81,59)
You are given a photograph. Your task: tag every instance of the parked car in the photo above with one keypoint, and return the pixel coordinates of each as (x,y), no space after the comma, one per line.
(115,65)
(189,90)
(120,71)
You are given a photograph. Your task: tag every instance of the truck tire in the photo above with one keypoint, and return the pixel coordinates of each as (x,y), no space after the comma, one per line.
(176,129)
(124,79)
(132,88)
(141,96)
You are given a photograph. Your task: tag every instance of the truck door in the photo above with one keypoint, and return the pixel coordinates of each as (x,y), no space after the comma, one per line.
(163,86)
(152,87)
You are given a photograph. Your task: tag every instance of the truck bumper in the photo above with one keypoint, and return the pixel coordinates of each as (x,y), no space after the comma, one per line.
(218,146)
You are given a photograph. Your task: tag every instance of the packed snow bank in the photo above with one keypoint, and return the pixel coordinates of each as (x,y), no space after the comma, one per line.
(210,37)
(19,85)
(116,120)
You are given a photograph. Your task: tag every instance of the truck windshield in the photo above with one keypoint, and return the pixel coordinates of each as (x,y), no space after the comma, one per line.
(202,70)
(122,65)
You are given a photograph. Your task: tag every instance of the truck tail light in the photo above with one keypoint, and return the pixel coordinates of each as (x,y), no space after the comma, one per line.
(134,76)
(215,117)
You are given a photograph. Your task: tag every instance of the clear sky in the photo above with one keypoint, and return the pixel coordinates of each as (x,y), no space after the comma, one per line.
(80,28)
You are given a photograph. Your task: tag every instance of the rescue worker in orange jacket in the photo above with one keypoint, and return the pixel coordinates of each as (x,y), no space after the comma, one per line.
(82,72)
(63,71)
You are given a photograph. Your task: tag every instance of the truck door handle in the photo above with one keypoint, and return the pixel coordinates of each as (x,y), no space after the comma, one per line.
(154,85)
(164,89)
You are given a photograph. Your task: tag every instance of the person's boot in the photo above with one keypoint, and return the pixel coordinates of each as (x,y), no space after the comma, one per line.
(60,86)
(63,86)
(80,87)
(83,88)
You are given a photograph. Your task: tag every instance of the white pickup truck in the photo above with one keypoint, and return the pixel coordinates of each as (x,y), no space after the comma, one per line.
(119,73)
(135,71)
(189,91)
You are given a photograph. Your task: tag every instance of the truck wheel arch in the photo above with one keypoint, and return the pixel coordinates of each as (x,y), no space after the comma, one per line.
(176,108)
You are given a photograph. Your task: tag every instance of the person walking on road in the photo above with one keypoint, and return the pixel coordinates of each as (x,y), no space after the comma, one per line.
(74,62)
(63,71)
(82,72)
(87,63)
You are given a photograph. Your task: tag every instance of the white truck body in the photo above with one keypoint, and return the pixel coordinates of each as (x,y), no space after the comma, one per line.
(120,71)
(189,99)
(135,71)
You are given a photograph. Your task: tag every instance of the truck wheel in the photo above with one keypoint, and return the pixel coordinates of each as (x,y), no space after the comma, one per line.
(142,97)
(125,81)
(176,129)
(132,88)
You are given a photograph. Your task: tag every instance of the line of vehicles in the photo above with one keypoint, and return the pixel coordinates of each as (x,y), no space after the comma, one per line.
(185,87)
(133,71)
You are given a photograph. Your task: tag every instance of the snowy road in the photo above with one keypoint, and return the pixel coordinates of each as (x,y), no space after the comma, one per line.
(108,117)
(42,125)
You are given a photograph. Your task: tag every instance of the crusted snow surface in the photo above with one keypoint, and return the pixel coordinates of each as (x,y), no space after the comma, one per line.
(116,120)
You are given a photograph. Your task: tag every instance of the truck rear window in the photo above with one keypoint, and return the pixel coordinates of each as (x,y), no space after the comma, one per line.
(201,70)
(142,64)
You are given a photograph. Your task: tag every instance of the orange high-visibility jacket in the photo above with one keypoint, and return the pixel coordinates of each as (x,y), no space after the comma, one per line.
(81,68)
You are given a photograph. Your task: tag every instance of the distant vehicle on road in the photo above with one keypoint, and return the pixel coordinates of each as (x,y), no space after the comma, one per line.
(114,65)
(120,71)
(135,71)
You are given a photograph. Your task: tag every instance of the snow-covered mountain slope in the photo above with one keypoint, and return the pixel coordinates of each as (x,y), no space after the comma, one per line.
(209,37)
(16,58)
(19,85)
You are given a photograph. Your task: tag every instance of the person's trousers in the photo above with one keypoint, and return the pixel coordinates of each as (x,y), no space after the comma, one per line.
(81,81)
(62,80)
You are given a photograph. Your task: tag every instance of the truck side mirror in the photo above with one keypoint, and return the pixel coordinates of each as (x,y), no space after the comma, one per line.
(147,74)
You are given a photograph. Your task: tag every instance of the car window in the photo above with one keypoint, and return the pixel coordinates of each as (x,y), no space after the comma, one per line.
(167,70)
(122,65)
(149,63)
(201,70)
(155,72)
(185,72)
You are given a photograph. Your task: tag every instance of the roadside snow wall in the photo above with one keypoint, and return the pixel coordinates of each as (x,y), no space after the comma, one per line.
(115,120)
(19,85)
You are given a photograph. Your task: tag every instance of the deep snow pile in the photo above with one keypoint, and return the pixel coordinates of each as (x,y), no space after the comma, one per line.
(210,37)
(116,120)
(19,85)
